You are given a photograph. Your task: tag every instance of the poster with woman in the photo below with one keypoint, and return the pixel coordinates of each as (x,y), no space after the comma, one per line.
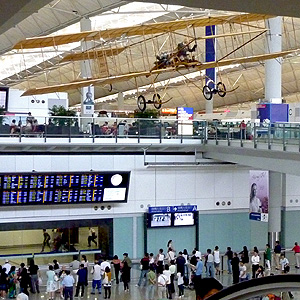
(259,195)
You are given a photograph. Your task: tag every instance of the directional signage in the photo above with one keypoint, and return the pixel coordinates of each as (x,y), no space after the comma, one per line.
(165,209)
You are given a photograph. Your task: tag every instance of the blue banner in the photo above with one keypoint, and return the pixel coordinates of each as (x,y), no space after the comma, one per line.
(210,55)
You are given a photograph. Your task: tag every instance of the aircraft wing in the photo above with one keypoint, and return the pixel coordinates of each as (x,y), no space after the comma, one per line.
(124,77)
(145,29)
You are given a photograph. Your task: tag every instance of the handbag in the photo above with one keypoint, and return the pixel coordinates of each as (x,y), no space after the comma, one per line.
(40,281)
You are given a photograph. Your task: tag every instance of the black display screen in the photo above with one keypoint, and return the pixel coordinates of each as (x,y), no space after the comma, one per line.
(55,188)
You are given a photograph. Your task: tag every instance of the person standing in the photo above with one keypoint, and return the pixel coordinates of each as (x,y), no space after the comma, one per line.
(180,285)
(68,283)
(229,255)
(51,286)
(243,127)
(255,263)
(277,252)
(151,279)
(81,280)
(46,241)
(210,272)
(96,283)
(126,271)
(235,263)
(161,285)
(107,283)
(180,262)
(167,274)
(160,261)
(217,260)
(85,262)
(243,272)
(7,266)
(12,280)
(144,263)
(172,269)
(198,271)
(296,250)
(117,266)
(34,276)
(268,257)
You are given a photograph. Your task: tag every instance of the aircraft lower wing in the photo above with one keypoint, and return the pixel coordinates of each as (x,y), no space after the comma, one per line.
(124,77)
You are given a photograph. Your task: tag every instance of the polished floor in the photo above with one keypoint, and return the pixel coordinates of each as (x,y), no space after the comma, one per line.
(139,293)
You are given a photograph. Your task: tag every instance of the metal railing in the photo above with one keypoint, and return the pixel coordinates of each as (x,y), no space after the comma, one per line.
(114,129)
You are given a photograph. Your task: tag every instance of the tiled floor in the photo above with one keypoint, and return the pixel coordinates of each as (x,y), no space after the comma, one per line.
(138,293)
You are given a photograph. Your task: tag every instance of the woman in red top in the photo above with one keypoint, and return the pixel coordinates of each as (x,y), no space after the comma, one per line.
(296,249)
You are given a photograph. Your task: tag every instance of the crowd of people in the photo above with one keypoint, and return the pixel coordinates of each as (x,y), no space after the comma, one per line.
(162,274)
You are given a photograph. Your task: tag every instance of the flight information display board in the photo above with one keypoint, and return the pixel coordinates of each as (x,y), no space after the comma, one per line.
(55,188)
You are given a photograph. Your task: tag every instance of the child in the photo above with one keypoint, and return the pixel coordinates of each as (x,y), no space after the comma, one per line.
(180,285)
(107,282)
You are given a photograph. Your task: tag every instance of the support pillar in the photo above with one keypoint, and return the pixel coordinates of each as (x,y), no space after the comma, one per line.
(275,204)
(210,55)
(273,66)
(87,93)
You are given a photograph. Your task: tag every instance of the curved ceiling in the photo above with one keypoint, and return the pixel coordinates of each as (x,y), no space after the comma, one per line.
(249,78)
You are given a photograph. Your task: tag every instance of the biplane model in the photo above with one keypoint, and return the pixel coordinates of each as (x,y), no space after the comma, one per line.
(146,54)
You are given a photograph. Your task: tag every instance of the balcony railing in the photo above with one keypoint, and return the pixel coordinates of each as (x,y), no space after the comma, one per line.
(115,130)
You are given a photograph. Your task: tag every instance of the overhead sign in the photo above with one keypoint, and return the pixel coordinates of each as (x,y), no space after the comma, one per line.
(169,111)
(185,113)
(166,209)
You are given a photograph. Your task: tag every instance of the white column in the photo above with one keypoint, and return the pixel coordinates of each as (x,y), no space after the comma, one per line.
(87,93)
(273,66)
(275,204)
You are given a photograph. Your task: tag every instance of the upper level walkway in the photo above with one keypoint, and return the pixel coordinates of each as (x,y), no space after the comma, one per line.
(270,146)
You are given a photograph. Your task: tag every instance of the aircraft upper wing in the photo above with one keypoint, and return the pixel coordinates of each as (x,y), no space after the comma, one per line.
(145,29)
(124,77)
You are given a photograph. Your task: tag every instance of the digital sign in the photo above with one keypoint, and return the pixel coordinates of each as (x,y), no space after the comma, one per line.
(59,188)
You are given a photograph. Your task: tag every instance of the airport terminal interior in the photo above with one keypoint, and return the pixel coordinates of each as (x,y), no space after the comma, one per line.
(156,127)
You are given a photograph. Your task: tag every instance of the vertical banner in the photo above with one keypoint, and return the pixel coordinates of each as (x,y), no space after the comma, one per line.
(259,195)
(88,102)
(210,55)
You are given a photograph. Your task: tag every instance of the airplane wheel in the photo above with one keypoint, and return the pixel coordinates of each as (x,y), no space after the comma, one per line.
(156,101)
(141,103)
(221,89)
(207,92)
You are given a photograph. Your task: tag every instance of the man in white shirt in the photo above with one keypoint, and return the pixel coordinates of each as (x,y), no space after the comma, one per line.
(167,273)
(103,266)
(96,271)
(7,266)
(255,263)
(161,286)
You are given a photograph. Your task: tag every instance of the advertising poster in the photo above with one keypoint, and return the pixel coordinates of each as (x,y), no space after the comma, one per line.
(88,102)
(259,195)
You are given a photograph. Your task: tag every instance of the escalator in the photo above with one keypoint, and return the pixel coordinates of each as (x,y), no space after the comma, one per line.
(260,287)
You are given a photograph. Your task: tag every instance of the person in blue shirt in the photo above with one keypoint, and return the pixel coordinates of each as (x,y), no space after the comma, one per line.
(198,271)
(68,283)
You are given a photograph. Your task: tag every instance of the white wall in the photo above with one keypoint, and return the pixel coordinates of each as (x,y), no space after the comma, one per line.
(203,186)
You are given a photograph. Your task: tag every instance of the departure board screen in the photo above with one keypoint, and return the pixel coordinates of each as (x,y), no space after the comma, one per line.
(63,188)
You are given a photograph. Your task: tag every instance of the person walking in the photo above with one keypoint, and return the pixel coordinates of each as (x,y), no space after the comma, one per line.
(92,236)
(210,272)
(126,271)
(144,263)
(46,241)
